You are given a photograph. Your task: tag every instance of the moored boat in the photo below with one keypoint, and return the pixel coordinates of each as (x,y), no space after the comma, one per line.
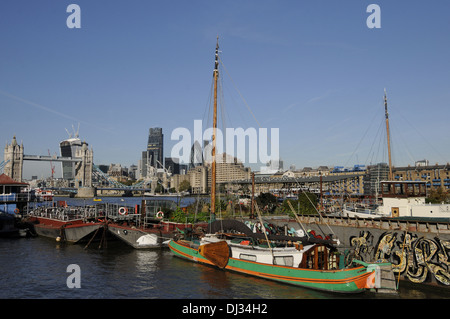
(303,261)
(145,226)
(402,199)
(68,224)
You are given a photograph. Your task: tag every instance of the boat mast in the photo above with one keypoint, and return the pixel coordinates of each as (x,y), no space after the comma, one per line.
(388,137)
(213,167)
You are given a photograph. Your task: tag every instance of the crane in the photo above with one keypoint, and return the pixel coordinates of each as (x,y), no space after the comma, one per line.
(51,164)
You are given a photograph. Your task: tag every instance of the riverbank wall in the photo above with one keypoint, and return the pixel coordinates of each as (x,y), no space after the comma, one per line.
(418,250)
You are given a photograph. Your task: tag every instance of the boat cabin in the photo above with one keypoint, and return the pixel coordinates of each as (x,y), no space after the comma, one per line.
(403,189)
(319,257)
(407,199)
(12,199)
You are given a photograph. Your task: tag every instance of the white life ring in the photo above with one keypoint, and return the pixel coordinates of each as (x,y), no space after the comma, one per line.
(159,215)
(123,211)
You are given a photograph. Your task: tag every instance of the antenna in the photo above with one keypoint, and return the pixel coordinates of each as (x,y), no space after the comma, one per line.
(70,135)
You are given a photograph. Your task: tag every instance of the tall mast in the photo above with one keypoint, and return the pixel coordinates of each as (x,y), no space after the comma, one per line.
(213,168)
(388,136)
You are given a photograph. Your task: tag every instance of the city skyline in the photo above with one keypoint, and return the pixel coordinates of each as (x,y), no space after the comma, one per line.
(315,71)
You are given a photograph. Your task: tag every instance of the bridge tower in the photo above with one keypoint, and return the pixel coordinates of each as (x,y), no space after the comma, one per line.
(13,157)
(84,169)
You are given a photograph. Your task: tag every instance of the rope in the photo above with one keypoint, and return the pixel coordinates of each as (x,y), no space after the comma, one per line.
(263,228)
(246,104)
(298,219)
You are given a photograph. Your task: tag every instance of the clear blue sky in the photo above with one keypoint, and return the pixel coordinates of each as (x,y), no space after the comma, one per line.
(313,69)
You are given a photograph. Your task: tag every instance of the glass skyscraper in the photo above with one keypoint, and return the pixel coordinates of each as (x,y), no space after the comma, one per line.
(69,148)
(155,147)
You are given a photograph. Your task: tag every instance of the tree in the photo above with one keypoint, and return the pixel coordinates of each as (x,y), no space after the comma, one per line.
(267,202)
(185,186)
(306,204)
(437,196)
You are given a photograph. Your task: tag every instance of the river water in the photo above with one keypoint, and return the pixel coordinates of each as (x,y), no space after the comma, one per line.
(37,268)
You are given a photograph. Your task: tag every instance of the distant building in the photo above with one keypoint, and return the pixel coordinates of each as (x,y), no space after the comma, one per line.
(374,175)
(196,157)
(172,165)
(69,148)
(155,149)
(13,158)
(132,171)
(436,176)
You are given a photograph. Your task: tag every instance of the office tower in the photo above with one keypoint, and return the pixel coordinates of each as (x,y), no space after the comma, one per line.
(155,147)
(172,165)
(196,158)
(69,148)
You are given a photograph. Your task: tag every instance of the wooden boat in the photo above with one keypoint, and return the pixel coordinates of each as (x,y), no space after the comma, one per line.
(302,261)
(400,199)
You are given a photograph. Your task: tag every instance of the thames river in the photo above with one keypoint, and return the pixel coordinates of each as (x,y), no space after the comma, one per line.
(37,268)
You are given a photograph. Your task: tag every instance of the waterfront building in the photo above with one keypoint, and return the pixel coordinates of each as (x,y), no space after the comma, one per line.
(198,179)
(228,169)
(373,176)
(435,176)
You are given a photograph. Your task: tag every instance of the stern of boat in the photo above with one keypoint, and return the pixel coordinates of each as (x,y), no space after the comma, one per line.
(381,278)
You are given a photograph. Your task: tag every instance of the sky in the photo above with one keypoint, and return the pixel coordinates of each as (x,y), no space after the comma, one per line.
(312,69)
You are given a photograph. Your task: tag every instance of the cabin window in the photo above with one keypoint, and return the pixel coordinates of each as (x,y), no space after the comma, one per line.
(247,257)
(283,260)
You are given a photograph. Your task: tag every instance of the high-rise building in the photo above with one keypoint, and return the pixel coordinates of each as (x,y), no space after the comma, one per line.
(172,165)
(155,147)
(196,158)
(69,148)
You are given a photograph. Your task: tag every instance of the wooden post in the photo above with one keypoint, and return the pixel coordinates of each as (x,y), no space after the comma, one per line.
(213,167)
(388,136)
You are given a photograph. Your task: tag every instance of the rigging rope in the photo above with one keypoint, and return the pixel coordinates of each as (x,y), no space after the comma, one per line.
(246,104)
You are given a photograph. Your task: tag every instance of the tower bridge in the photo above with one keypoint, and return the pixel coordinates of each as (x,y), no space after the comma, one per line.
(14,157)
(85,169)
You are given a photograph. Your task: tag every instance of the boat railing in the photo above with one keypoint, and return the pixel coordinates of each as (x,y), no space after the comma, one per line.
(15,197)
(62,213)
(361,208)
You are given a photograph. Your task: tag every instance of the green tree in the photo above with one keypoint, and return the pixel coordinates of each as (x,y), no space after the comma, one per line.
(267,202)
(185,186)
(305,205)
(437,196)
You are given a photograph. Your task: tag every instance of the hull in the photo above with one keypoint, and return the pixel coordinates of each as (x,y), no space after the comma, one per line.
(72,232)
(137,238)
(145,238)
(354,280)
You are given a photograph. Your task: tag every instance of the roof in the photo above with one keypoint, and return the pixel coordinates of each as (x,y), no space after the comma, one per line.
(6,180)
